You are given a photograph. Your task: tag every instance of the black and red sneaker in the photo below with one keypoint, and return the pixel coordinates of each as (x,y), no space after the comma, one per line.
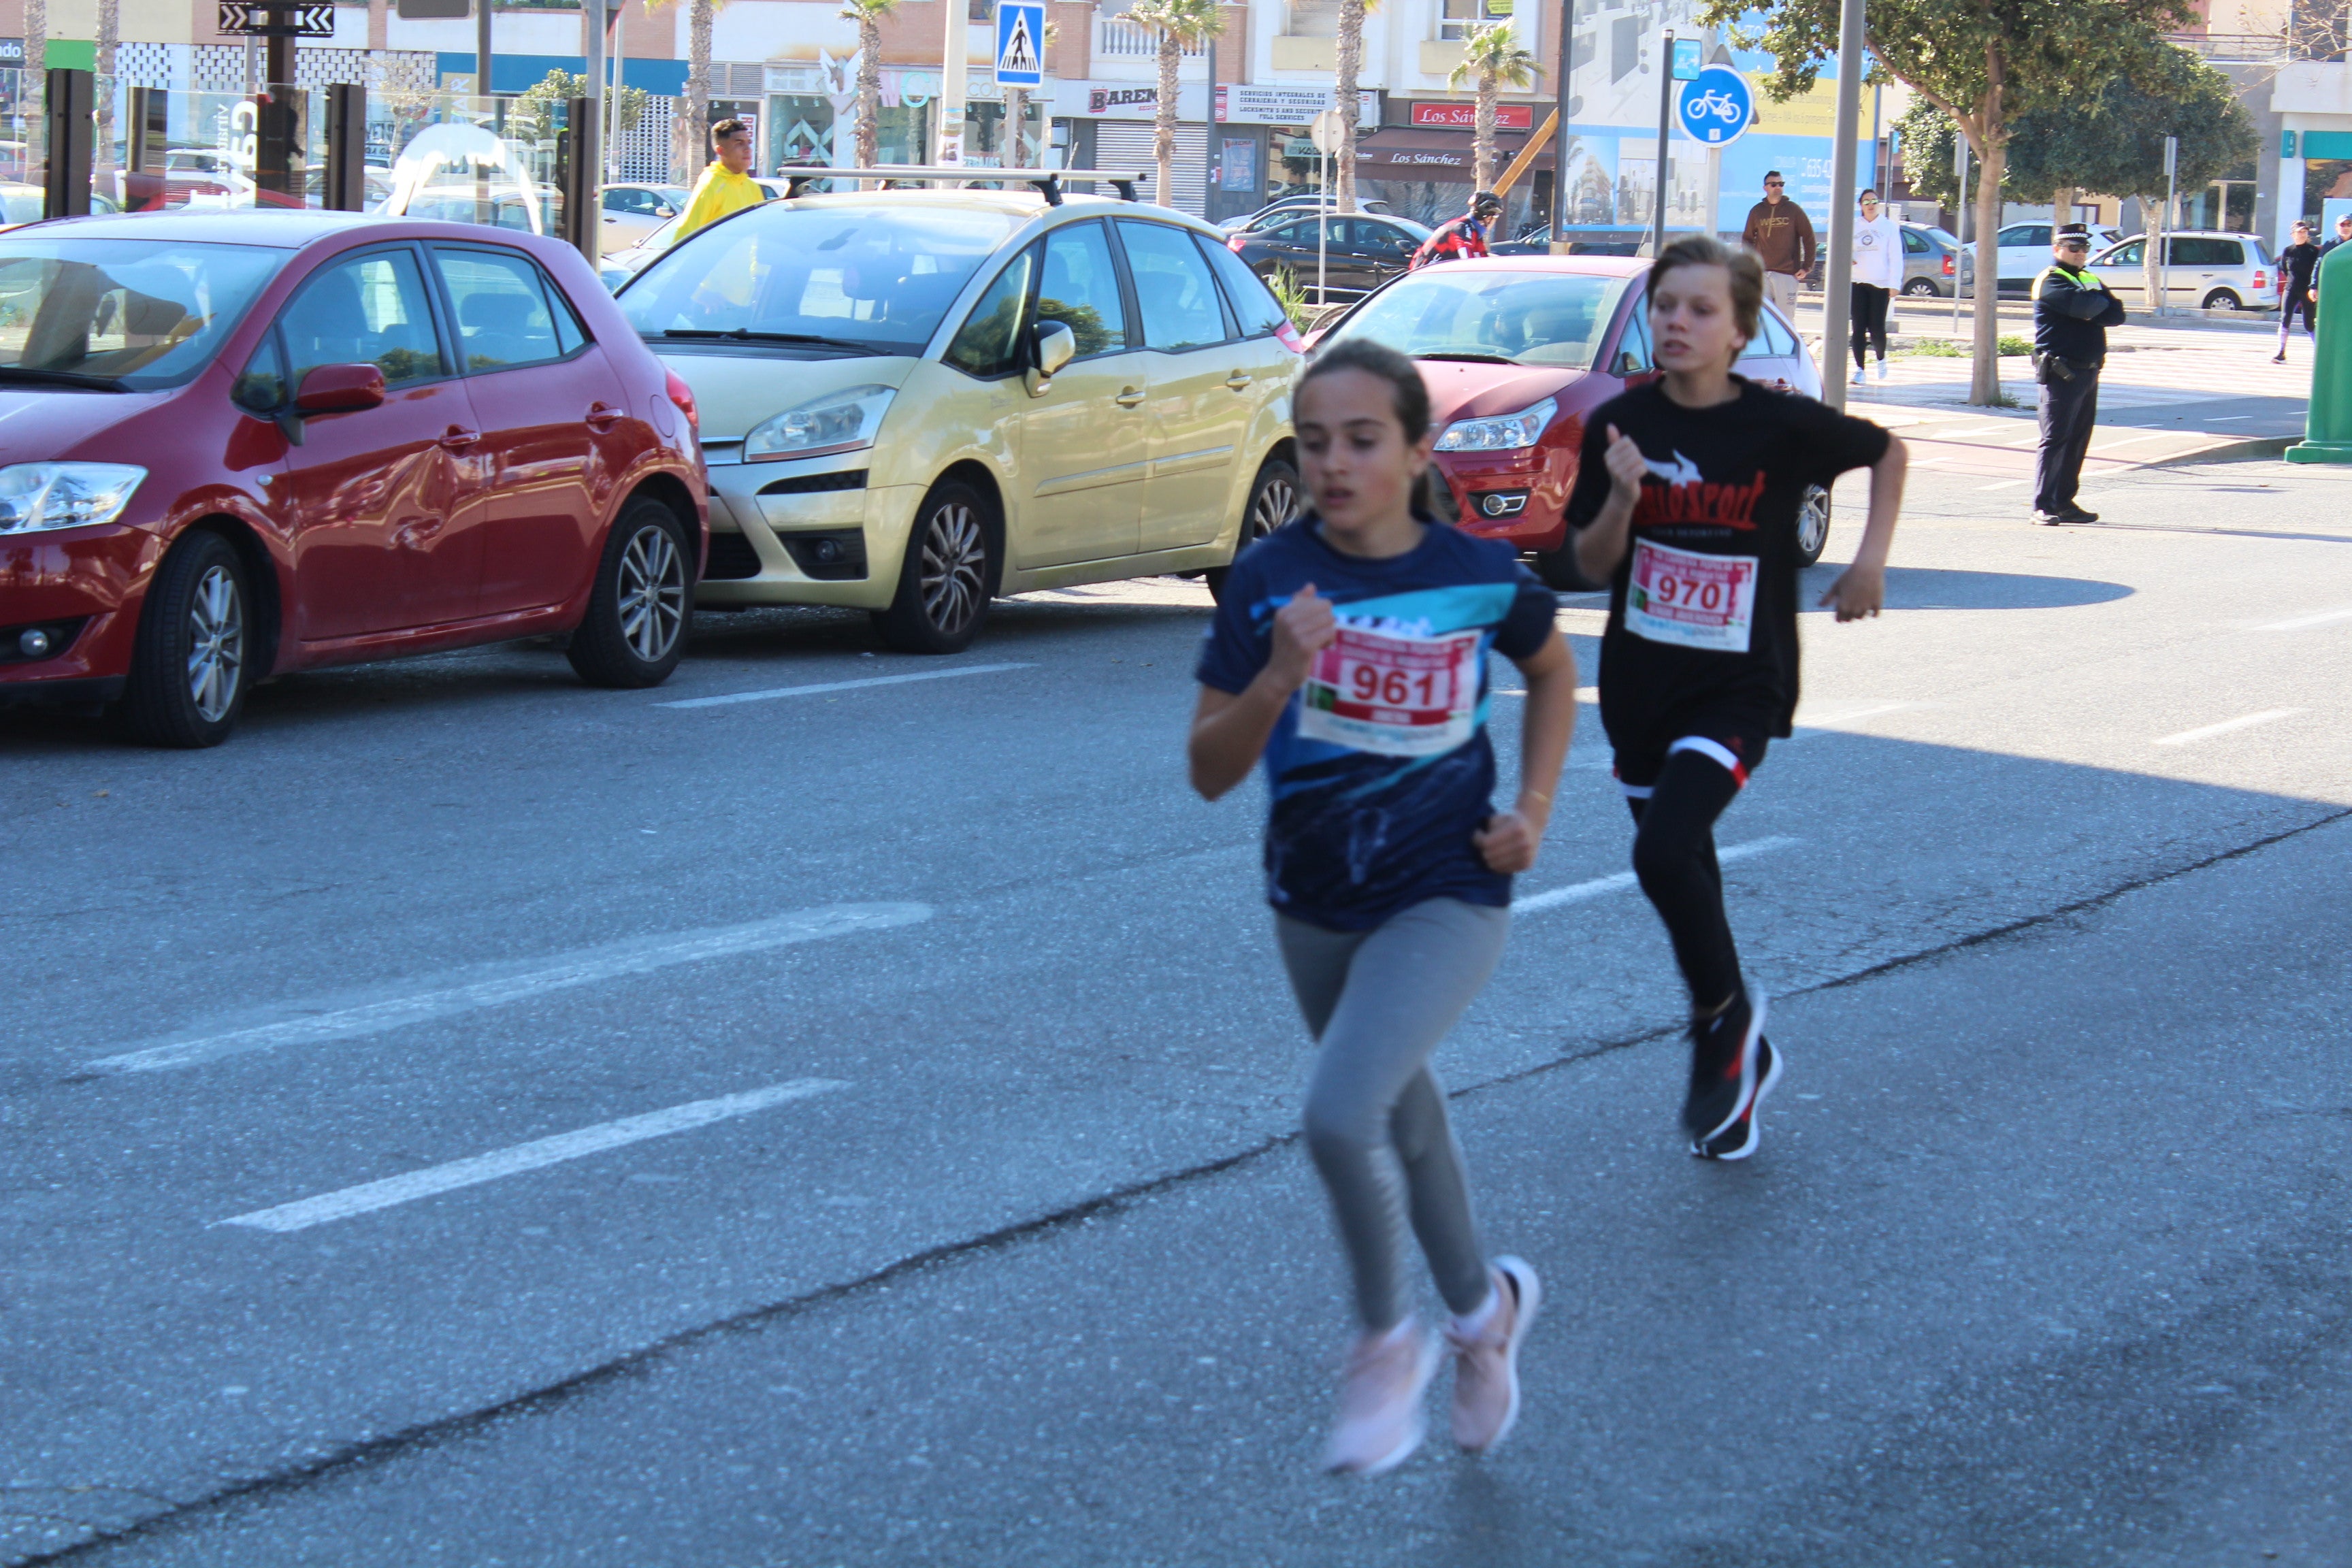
(1738,1140)
(1724,1051)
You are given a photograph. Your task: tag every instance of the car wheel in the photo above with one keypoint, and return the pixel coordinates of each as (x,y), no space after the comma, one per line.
(1922,288)
(948,576)
(1273,501)
(642,607)
(1812,524)
(187,668)
(2222,299)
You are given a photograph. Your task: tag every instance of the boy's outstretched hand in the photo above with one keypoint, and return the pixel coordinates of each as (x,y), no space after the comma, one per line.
(1860,590)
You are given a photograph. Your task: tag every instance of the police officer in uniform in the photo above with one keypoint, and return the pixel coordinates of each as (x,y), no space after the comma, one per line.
(2071,312)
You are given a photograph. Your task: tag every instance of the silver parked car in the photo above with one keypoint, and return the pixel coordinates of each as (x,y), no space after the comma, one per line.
(2209,270)
(1934,262)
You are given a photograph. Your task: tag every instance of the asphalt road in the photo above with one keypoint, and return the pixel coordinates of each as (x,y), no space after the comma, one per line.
(472,1119)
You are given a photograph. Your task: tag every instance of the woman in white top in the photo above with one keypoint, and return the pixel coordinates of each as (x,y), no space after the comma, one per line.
(1877,273)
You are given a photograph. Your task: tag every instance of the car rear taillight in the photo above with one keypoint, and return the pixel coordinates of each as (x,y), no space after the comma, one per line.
(2261,281)
(1947,267)
(1235,244)
(1288,336)
(683,395)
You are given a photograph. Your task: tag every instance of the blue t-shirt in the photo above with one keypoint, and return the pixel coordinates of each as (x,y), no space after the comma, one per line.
(1357,835)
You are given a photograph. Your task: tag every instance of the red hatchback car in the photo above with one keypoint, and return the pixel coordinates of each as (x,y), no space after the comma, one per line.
(1516,350)
(233,445)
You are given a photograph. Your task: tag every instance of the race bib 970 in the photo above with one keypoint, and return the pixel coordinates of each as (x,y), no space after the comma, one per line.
(1690,600)
(1399,696)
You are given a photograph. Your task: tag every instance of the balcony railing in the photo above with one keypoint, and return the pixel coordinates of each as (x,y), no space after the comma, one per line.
(2235,47)
(1116,39)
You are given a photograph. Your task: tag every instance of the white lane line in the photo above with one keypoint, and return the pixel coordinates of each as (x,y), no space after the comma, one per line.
(1583,693)
(775,692)
(2003,485)
(1835,723)
(535,1155)
(2132,441)
(423,1003)
(2243,722)
(1577,893)
(2323,618)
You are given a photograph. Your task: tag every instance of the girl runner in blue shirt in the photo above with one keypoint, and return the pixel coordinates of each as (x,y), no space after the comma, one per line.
(1349,652)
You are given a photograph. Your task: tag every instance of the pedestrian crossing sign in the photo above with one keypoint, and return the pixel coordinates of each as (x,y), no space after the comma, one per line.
(1019,43)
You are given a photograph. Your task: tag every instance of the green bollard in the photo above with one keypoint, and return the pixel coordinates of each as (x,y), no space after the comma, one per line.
(2327,428)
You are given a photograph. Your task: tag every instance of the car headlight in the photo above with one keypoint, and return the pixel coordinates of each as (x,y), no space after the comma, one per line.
(39,496)
(833,423)
(1503,433)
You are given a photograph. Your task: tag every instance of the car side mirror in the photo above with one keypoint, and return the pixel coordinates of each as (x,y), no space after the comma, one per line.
(1056,345)
(1628,363)
(664,210)
(340,389)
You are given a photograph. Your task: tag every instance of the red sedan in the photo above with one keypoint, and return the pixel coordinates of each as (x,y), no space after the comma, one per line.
(233,445)
(1517,350)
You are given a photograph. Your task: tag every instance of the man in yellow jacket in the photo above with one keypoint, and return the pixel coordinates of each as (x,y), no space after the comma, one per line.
(724,187)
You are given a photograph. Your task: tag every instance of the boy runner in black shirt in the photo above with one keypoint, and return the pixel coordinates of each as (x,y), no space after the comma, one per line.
(1687,499)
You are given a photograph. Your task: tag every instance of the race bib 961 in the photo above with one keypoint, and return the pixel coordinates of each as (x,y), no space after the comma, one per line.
(1690,600)
(1399,696)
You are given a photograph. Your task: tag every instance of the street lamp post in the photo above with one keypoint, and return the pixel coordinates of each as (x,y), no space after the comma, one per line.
(1566,82)
(1837,287)
(1666,110)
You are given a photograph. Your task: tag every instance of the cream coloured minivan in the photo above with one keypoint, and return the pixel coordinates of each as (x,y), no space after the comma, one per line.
(912,401)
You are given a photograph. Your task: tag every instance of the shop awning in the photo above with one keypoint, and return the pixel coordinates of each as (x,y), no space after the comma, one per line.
(1426,152)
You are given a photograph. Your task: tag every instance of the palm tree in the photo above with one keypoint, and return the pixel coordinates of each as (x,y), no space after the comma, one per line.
(1182,25)
(31,96)
(1343,96)
(1492,54)
(868,14)
(689,137)
(1016,104)
(110,33)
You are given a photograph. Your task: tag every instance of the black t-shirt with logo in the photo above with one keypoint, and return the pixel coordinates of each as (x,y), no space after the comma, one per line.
(1702,609)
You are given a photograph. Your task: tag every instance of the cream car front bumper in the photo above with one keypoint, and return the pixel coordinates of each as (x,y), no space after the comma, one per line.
(781,534)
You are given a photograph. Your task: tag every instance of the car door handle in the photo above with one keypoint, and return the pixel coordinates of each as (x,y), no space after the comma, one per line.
(603,418)
(1129,397)
(1238,380)
(458,440)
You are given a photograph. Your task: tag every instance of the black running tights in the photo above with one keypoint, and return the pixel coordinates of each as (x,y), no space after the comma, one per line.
(1674,855)
(1869,308)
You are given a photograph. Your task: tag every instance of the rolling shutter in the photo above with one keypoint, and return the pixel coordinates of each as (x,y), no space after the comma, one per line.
(1127,144)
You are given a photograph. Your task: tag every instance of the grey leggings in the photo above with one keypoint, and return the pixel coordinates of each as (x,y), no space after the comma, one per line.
(1377,1002)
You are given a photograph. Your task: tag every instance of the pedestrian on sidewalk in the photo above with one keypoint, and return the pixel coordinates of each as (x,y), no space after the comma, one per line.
(1781,235)
(1877,273)
(2071,312)
(2298,287)
(1687,503)
(1349,652)
(726,185)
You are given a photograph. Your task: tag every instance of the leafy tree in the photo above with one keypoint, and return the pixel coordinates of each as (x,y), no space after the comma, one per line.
(1491,56)
(867,14)
(1181,25)
(534,114)
(1985,65)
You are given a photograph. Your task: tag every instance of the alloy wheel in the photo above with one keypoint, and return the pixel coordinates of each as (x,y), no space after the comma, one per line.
(652,599)
(215,644)
(955,567)
(1278,500)
(1813,522)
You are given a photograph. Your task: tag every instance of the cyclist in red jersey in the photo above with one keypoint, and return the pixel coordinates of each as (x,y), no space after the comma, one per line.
(1463,237)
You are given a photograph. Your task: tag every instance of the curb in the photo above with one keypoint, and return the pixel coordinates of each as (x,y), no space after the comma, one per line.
(2229,452)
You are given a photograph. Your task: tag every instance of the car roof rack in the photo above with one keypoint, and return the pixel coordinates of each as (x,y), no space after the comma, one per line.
(1048,182)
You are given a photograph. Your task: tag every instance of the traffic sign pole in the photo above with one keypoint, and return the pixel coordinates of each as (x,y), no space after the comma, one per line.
(1665,112)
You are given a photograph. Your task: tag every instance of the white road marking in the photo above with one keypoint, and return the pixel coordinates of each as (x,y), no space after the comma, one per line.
(2244,722)
(774,692)
(540,1153)
(1834,721)
(1583,693)
(1577,893)
(2131,441)
(2004,485)
(2323,618)
(426,1001)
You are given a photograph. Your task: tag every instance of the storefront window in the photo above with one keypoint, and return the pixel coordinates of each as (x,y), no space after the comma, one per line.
(800,130)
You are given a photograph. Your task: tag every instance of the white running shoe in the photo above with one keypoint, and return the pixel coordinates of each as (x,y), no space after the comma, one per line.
(1486,1363)
(1381,1422)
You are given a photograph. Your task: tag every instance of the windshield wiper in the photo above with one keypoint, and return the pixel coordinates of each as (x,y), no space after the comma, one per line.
(746,335)
(59,378)
(1470,354)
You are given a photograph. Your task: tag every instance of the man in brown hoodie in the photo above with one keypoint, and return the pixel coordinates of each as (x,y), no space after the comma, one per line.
(1780,234)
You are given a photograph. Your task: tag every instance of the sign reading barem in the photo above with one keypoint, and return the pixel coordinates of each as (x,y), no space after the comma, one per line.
(1465,116)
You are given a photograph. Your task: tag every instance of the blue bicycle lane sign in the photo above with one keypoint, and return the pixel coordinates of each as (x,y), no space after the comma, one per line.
(1716,106)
